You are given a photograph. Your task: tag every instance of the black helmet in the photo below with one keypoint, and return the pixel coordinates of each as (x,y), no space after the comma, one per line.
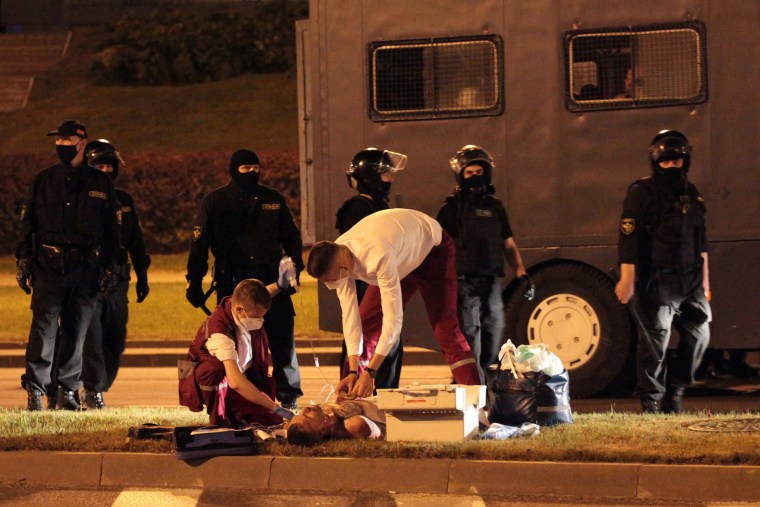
(102,152)
(670,145)
(469,155)
(368,165)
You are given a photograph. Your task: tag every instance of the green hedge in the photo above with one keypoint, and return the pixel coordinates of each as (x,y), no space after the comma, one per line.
(173,46)
(167,189)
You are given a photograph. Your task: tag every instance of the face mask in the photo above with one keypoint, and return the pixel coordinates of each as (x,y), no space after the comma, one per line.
(673,179)
(252,323)
(475,183)
(66,153)
(384,189)
(335,284)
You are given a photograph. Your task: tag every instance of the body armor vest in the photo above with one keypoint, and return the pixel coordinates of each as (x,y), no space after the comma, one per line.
(480,247)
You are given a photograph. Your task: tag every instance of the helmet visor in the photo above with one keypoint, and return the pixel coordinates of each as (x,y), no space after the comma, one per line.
(669,148)
(465,158)
(392,162)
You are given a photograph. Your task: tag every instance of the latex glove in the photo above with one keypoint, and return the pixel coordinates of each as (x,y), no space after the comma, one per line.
(194,293)
(108,280)
(286,276)
(529,289)
(24,274)
(142,288)
(284,413)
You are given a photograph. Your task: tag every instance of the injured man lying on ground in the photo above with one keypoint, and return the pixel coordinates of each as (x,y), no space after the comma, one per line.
(345,419)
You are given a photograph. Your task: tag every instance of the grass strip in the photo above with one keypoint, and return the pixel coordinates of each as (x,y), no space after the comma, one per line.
(599,437)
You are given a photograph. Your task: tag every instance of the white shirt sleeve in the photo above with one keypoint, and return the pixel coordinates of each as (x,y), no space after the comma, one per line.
(389,283)
(222,347)
(352,322)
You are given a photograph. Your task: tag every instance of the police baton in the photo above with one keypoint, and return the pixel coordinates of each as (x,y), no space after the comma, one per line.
(207,295)
(636,317)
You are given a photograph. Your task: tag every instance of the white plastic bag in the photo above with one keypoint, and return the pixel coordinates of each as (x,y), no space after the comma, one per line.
(530,358)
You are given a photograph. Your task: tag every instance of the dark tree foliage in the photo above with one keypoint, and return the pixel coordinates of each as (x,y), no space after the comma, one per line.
(174,46)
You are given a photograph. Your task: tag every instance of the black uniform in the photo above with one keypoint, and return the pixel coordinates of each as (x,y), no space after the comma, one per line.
(69,227)
(663,233)
(479,225)
(247,231)
(107,335)
(348,215)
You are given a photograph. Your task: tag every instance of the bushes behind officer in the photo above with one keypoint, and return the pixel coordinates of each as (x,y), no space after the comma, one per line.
(248,226)
(107,335)
(69,248)
(664,272)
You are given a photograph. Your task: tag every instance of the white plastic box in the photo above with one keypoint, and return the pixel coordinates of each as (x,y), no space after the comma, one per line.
(432,413)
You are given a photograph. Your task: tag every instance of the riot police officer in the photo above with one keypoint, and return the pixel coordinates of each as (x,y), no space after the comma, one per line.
(69,248)
(248,226)
(664,272)
(371,175)
(483,237)
(107,335)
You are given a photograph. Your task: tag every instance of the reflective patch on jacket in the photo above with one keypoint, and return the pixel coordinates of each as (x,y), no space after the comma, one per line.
(126,209)
(627,226)
(99,195)
(274,206)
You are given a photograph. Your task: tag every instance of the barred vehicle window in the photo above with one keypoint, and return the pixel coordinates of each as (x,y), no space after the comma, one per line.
(435,78)
(638,66)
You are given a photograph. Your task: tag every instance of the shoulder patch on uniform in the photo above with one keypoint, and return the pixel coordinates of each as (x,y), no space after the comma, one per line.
(22,213)
(483,213)
(126,209)
(197,232)
(628,225)
(699,199)
(99,195)
(272,206)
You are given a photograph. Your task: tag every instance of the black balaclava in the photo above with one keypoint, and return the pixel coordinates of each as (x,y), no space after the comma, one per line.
(478,184)
(249,181)
(114,163)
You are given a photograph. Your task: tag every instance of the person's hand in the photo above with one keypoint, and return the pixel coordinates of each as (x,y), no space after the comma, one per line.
(364,386)
(283,412)
(194,293)
(108,280)
(624,291)
(24,274)
(142,288)
(528,287)
(347,384)
(286,277)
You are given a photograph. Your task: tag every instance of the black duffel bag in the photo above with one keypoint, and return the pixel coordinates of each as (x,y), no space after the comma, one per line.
(553,400)
(513,400)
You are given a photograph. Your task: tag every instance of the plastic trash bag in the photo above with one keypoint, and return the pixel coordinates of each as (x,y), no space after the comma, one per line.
(511,397)
(531,358)
(498,431)
(553,401)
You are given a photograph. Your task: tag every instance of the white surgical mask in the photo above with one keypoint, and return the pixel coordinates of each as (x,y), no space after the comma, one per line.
(335,284)
(251,323)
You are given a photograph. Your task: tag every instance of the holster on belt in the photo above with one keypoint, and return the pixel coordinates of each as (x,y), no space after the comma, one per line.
(65,259)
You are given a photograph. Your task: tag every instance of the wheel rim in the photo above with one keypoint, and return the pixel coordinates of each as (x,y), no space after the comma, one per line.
(568,325)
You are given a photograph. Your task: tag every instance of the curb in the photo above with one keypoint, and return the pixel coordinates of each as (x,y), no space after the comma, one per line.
(401,475)
(158,354)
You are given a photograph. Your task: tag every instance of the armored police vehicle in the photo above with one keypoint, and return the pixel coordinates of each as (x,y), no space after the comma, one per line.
(566,95)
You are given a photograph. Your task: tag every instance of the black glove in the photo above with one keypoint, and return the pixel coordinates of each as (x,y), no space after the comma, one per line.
(194,293)
(528,288)
(24,274)
(109,279)
(142,288)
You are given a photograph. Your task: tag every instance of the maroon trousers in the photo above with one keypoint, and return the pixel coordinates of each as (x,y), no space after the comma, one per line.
(230,409)
(436,279)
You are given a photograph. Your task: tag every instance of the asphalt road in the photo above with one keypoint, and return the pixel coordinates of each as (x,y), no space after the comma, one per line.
(158,387)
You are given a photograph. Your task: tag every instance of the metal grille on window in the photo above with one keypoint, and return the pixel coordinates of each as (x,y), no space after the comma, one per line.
(435,78)
(636,67)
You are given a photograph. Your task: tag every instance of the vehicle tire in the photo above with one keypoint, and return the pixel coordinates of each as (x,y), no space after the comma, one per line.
(575,313)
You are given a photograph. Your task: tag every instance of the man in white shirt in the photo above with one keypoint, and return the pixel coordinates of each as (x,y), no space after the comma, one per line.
(395,251)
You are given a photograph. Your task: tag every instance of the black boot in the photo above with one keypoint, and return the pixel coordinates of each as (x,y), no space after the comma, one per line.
(672,402)
(92,400)
(649,406)
(67,400)
(33,399)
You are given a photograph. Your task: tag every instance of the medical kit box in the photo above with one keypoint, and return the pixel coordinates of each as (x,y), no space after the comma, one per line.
(432,413)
